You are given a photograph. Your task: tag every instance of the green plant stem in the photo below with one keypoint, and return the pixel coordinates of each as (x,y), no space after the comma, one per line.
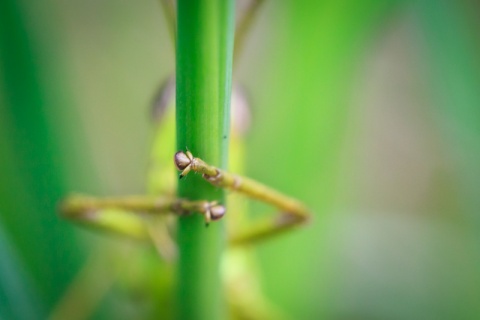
(204,67)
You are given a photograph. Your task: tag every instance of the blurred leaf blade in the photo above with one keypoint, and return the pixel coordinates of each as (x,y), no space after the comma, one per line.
(46,244)
(454,47)
(305,88)
(16,287)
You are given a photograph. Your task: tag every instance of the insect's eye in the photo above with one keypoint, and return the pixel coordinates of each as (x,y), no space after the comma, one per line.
(181,160)
(217,212)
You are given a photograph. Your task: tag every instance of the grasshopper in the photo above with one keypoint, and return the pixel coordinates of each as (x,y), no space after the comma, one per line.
(150,217)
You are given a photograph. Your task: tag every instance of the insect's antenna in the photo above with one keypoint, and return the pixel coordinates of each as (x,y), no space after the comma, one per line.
(168,7)
(244,26)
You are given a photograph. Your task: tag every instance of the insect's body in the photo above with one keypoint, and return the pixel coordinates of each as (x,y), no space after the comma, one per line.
(146,217)
(238,267)
(152,217)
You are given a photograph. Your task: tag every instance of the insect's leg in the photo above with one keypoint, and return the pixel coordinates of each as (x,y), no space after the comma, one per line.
(91,284)
(110,264)
(118,215)
(125,215)
(292,212)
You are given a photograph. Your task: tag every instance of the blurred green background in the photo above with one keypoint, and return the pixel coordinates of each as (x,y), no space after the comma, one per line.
(368,111)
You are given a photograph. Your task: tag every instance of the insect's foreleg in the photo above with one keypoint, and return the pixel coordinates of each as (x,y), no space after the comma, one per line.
(292,212)
(115,214)
(125,215)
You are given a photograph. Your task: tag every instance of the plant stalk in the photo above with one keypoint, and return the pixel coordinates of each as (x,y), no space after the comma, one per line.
(204,72)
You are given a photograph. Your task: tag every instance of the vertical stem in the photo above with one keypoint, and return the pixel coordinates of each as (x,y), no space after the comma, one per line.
(204,71)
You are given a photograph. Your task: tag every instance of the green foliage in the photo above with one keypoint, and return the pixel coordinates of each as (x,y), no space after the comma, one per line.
(31,174)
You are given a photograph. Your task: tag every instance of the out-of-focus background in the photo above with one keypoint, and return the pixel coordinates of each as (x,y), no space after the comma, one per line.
(368,111)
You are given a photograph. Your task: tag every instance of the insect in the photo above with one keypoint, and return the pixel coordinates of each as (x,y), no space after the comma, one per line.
(137,216)
(292,212)
(134,216)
